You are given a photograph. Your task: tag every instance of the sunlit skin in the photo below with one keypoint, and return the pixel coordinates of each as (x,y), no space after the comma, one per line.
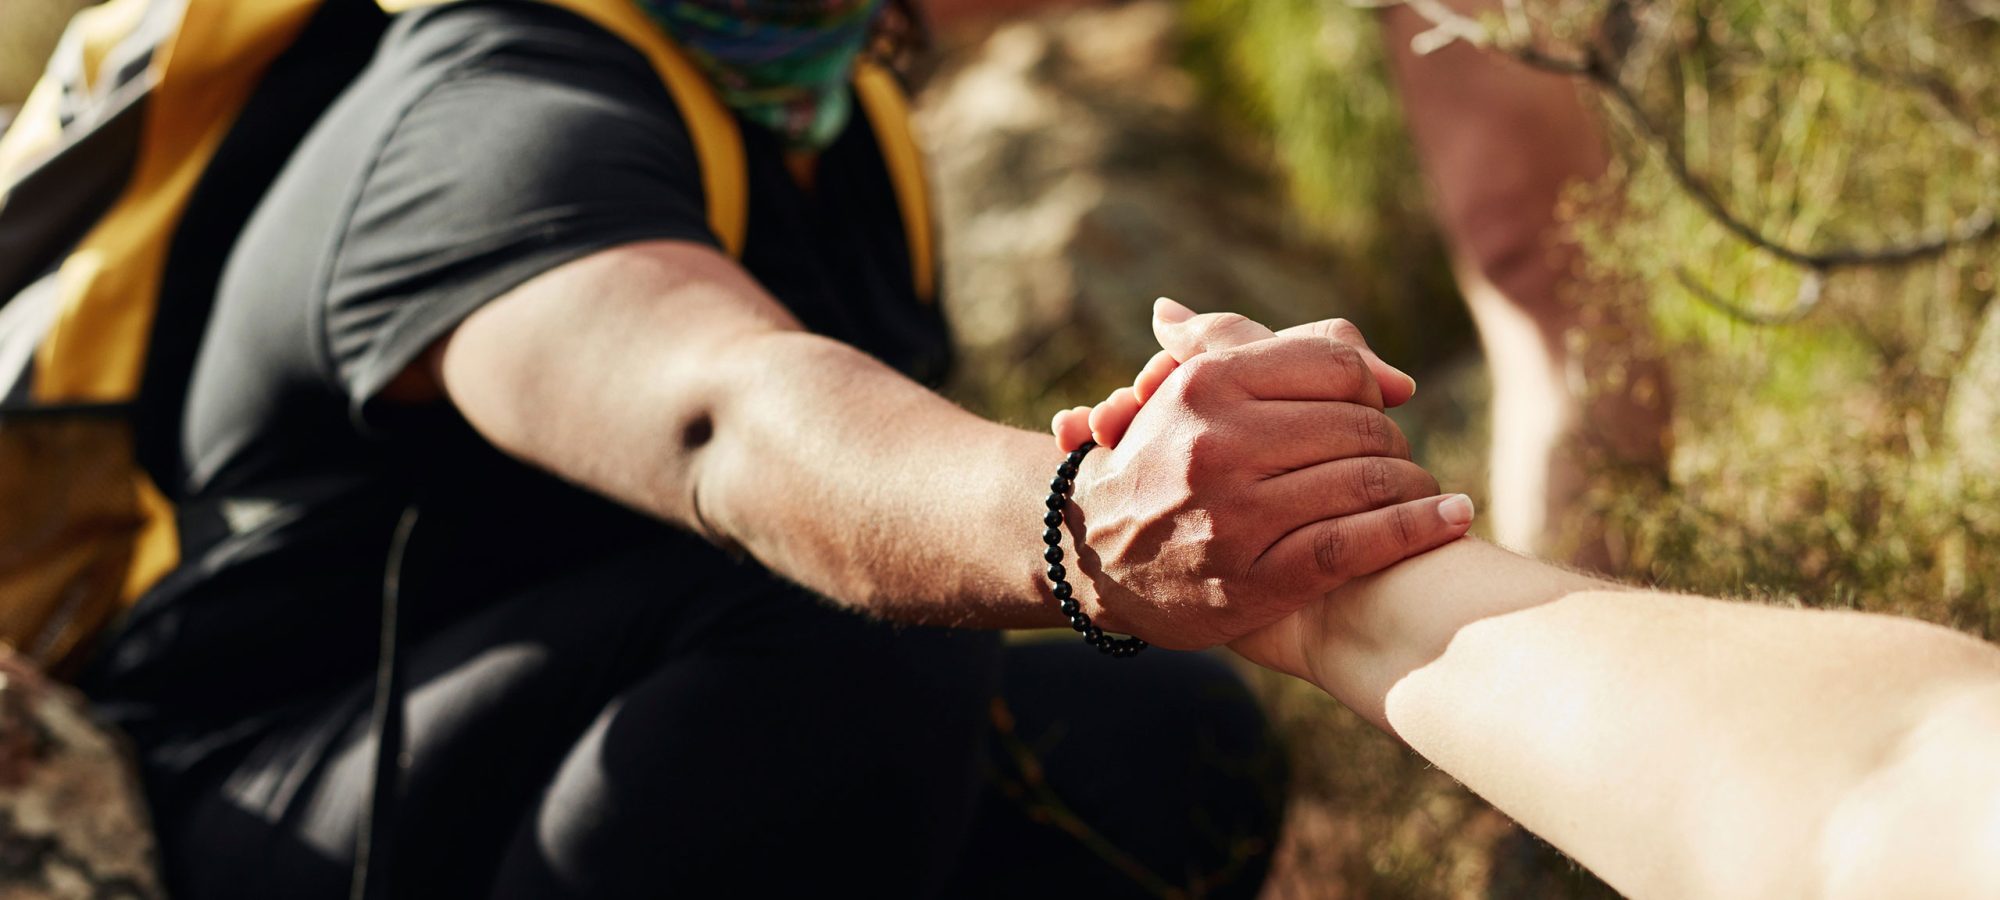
(662,375)
(1499,144)
(1106,422)
(1677,746)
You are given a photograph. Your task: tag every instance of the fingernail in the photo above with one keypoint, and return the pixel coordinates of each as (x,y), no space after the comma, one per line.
(1406,377)
(1166,310)
(1456,509)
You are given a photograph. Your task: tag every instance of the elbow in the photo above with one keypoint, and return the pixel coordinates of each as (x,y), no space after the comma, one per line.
(734,440)
(708,397)
(1924,821)
(1922,858)
(687,473)
(695,435)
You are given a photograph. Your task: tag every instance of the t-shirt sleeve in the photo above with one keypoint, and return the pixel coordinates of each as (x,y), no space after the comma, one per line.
(493,176)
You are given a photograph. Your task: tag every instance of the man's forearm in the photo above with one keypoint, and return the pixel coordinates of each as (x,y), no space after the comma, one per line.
(859,483)
(662,376)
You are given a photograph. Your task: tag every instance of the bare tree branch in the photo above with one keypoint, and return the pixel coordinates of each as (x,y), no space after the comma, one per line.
(1977,226)
(1807,300)
(1588,64)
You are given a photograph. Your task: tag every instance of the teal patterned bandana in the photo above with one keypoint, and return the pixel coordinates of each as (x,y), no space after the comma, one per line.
(783,64)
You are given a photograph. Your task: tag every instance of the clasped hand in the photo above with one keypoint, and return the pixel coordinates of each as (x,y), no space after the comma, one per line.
(1244,475)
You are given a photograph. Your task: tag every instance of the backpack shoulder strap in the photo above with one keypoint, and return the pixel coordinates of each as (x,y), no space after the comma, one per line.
(888,111)
(718,143)
(718,140)
(107,288)
(109,285)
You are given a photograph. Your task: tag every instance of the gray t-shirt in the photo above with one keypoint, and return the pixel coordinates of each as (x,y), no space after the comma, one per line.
(483,144)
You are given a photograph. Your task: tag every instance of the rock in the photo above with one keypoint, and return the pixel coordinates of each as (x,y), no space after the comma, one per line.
(72,824)
(1077,178)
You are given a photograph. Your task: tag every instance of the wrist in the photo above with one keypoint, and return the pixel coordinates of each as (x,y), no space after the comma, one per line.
(1084,565)
(1059,511)
(1018,523)
(1311,645)
(1375,631)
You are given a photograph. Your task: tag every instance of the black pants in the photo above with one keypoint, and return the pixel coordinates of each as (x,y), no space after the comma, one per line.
(745,740)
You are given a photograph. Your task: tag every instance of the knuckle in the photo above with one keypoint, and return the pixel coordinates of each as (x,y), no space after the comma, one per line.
(1373,481)
(1208,448)
(1198,376)
(1425,484)
(1409,481)
(1403,526)
(1399,444)
(1374,429)
(1221,324)
(1380,434)
(1331,548)
(1344,354)
(1345,366)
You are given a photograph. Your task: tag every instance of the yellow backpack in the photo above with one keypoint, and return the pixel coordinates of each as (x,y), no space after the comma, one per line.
(95,174)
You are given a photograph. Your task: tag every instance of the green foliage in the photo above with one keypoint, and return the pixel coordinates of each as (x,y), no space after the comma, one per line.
(1310,75)
(1307,79)
(1843,458)
(1818,459)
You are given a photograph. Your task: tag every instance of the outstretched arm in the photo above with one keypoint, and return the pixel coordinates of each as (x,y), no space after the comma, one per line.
(661,375)
(1678,746)
(1682,746)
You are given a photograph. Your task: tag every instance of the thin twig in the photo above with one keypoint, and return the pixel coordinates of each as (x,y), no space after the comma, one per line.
(1977,226)
(1807,300)
(1038,797)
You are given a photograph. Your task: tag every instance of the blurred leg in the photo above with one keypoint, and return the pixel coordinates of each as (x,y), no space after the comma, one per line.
(1124,778)
(629,732)
(1499,143)
(810,757)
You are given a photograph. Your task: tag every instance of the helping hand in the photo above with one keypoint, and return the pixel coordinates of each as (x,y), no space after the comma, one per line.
(1257,480)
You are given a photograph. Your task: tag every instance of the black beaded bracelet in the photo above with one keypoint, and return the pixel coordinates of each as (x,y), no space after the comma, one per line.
(1059,490)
